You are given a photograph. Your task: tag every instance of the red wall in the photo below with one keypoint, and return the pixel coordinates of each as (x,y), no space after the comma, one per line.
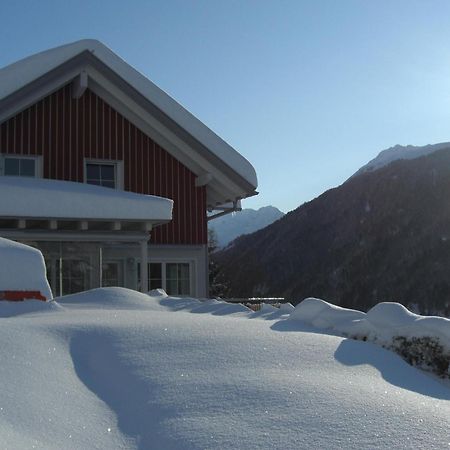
(64,131)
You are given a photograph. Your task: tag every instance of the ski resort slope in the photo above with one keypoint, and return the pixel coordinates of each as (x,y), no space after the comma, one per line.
(116,369)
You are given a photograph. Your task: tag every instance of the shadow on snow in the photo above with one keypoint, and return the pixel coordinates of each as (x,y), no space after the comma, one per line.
(392,367)
(98,364)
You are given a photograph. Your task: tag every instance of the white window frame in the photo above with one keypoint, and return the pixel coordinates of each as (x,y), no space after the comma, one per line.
(38,172)
(164,262)
(118,169)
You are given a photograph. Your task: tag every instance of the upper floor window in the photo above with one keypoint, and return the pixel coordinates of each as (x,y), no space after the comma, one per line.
(107,174)
(19,166)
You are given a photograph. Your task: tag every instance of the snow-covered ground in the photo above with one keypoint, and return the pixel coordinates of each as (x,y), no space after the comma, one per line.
(113,368)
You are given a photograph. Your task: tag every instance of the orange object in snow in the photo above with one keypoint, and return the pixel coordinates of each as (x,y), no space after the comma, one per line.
(18,296)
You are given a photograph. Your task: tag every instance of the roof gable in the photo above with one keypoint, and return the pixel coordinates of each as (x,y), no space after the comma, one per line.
(212,151)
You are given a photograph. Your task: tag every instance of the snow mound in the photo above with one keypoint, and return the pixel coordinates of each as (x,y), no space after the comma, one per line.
(322,314)
(422,341)
(287,308)
(390,315)
(157,293)
(112,298)
(22,268)
(395,319)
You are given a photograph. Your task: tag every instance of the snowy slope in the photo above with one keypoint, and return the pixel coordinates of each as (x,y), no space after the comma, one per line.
(231,226)
(400,152)
(113,368)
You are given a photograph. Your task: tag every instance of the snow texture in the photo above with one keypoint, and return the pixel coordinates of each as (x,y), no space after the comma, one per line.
(37,197)
(19,74)
(400,152)
(22,268)
(113,368)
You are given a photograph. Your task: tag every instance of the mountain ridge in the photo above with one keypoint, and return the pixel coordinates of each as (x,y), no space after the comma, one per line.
(383,235)
(397,152)
(229,227)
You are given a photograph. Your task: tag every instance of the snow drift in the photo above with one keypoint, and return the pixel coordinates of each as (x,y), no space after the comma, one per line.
(113,368)
(384,324)
(22,268)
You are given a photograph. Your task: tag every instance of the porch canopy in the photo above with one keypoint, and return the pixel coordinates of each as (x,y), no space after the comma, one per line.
(52,210)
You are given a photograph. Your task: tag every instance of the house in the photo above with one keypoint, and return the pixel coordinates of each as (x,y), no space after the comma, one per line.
(102,171)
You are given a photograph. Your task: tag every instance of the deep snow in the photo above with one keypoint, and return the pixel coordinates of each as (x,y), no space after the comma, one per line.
(39,197)
(380,324)
(22,268)
(113,368)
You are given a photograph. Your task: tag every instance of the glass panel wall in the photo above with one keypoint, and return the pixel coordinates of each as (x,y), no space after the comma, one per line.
(75,266)
(177,279)
(174,278)
(112,273)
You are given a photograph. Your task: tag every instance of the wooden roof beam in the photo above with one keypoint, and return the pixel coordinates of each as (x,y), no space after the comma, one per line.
(79,85)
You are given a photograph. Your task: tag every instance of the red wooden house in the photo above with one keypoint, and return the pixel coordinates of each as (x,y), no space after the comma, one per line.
(79,113)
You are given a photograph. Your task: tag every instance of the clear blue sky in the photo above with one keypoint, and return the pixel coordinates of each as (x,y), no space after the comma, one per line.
(308,91)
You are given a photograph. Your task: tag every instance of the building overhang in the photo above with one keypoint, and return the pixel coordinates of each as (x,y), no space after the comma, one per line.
(41,207)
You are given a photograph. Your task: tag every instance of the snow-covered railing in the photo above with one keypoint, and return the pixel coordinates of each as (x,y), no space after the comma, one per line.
(255,303)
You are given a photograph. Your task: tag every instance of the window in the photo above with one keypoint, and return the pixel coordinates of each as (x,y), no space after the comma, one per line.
(155,275)
(112,273)
(19,166)
(104,173)
(177,279)
(174,278)
(75,275)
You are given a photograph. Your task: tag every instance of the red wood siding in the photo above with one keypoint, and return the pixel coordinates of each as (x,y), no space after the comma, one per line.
(65,131)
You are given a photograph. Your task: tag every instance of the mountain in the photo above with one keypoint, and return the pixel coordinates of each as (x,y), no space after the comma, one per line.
(383,235)
(400,152)
(230,226)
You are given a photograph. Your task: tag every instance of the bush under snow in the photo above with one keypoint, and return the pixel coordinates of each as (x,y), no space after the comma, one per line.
(423,341)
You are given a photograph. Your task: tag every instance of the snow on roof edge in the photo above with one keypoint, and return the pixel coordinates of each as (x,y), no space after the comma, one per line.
(39,197)
(18,74)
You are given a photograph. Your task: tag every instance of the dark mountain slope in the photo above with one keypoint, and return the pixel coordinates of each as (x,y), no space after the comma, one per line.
(381,236)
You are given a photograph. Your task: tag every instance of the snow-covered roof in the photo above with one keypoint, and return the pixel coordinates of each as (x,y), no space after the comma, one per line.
(20,74)
(41,198)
